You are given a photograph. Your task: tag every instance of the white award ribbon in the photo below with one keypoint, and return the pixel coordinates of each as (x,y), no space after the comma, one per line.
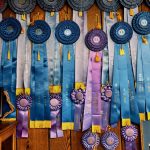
(21,46)
(27,68)
(134,40)
(81,51)
(50,44)
(108,24)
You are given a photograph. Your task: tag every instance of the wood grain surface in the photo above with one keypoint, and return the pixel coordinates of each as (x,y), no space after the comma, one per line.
(39,138)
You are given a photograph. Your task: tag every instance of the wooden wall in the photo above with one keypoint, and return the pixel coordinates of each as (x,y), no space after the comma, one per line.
(39,138)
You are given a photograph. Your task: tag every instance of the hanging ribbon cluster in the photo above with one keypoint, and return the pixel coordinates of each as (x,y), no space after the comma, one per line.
(72,79)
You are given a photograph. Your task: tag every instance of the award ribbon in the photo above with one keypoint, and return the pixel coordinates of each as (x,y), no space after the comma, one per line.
(80,6)
(54,70)
(51,6)
(134,40)
(141,25)
(129,134)
(109,140)
(121,33)
(81,59)
(22,6)
(96,41)
(90,140)
(23,99)
(109,6)
(10,29)
(39,33)
(106,91)
(67,33)
(131,5)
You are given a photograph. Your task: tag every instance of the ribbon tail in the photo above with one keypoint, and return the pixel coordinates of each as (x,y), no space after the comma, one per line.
(58,126)
(77,117)
(130,145)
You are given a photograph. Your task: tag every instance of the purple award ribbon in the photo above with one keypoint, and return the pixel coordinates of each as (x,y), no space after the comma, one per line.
(23,104)
(96,94)
(78,97)
(96,40)
(130,134)
(55,107)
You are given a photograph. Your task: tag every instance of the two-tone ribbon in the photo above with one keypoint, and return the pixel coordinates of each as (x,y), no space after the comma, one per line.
(23,95)
(10,29)
(141,25)
(121,33)
(81,63)
(54,72)
(96,40)
(39,33)
(67,33)
(108,55)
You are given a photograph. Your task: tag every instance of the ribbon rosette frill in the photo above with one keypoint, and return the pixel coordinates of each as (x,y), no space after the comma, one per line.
(78,97)
(23,104)
(55,107)
(109,140)
(96,41)
(129,134)
(106,93)
(90,140)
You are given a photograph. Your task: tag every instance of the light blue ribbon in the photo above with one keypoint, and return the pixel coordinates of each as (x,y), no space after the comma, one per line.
(133,101)
(123,77)
(68,83)
(145,48)
(39,84)
(140,91)
(9,74)
(115,102)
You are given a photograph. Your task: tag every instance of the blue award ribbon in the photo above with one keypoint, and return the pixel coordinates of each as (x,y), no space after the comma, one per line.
(115,102)
(133,101)
(9,77)
(68,85)
(67,33)
(145,48)
(140,91)
(40,110)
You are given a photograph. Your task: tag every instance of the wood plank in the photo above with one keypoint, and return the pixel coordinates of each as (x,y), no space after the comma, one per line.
(38,139)
(61,143)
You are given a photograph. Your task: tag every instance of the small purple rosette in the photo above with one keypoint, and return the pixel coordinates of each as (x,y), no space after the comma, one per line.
(110,140)
(106,93)
(90,140)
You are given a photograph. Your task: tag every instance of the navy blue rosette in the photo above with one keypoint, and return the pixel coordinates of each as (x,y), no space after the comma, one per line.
(10,29)
(96,40)
(90,140)
(39,32)
(51,5)
(3,5)
(108,6)
(22,7)
(110,140)
(67,32)
(131,3)
(121,32)
(79,5)
(141,23)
